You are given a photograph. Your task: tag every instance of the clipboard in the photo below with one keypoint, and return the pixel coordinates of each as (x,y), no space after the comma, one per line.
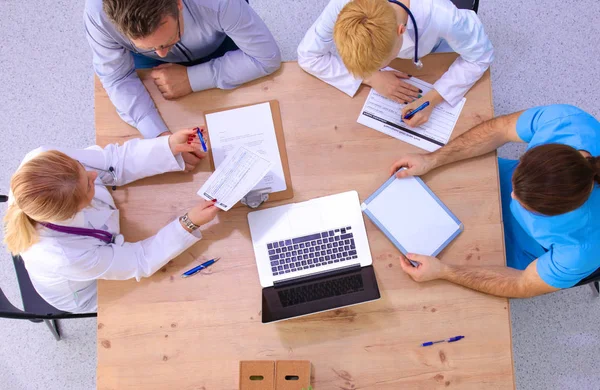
(257,197)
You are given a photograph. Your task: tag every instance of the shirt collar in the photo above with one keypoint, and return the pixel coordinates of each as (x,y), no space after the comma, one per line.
(85,215)
(78,220)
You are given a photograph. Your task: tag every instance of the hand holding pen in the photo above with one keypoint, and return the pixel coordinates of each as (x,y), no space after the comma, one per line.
(184,141)
(188,143)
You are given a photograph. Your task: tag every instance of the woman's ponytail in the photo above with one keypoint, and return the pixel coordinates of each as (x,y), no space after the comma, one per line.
(19,230)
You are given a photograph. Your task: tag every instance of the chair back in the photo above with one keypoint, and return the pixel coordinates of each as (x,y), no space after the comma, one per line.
(594,277)
(32,301)
(473,5)
(35,307)
(8,310)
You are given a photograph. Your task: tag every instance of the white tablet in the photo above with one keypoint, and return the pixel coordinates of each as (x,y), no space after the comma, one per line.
(412,216)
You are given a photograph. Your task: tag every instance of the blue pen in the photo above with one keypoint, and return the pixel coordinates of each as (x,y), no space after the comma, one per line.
(413,112)
(199,268)
(201,138)
(450,340)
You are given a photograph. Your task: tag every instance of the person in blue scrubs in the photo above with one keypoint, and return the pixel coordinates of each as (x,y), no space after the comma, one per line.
(550,202)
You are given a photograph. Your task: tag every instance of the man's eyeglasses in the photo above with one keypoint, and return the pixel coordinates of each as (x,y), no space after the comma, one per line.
(161,47)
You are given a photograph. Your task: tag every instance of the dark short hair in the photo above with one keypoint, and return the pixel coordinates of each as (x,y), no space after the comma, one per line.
(554,179)
(138,18)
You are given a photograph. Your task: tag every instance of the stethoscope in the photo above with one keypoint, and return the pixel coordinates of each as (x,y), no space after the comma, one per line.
(416,60)
(110,170)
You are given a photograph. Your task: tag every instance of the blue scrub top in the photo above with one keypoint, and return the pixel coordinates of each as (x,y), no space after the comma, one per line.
(572,240)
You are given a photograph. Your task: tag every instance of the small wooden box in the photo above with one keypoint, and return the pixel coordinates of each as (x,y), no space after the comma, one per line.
(257,375)
(292,375)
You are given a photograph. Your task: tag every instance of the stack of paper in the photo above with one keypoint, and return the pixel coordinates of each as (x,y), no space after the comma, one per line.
(237,175)
(251,127)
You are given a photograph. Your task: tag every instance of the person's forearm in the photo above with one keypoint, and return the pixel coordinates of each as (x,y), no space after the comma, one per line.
(479,140)
(433,97)
(495,280)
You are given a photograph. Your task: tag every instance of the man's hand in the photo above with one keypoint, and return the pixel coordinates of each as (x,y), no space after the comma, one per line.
(415,164)
(191,159)
(391,84)
(172,80)
(429,268)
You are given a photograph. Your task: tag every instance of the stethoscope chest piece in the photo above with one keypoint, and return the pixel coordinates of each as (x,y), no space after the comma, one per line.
(119,240)
(418,64)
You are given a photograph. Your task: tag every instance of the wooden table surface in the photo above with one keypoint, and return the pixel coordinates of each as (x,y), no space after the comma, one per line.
(166,332)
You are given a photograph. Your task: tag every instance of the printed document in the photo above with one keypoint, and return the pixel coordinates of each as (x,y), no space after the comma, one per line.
(237,175)
(385,115)
(253,128)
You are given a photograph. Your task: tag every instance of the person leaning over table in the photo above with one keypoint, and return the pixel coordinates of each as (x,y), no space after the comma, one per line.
(352,40)
(192,45)
(56,193)
(550,202)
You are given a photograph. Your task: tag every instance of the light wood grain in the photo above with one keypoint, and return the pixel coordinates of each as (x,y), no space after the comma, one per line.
(171,333)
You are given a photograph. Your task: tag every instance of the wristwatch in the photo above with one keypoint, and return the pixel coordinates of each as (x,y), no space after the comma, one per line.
(188,222)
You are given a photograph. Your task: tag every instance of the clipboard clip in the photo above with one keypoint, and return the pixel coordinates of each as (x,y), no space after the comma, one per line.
(255,198)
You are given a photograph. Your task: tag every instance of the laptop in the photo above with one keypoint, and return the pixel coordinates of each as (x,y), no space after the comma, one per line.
(312,256)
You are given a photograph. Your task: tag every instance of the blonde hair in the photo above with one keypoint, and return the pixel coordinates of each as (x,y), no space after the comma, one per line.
(364,34)
(46,188)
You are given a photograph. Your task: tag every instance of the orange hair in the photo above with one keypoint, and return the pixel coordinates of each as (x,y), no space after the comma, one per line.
(364,34)
(46,188)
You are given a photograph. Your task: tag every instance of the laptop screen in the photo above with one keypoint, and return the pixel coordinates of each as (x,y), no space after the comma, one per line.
(319,293)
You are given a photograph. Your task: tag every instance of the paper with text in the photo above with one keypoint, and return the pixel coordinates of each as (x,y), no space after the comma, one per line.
(237,175)
(385,115)
(253,128)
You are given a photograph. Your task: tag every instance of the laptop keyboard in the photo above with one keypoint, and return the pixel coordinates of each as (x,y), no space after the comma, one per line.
(320,290)
(312,251)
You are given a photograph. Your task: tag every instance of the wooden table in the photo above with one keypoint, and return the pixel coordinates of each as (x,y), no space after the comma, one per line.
(166,332)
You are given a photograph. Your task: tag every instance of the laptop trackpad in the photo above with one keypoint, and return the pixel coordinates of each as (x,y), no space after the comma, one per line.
(305,219)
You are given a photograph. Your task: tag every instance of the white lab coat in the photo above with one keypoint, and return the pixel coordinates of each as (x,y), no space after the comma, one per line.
(64,267)
(437,20)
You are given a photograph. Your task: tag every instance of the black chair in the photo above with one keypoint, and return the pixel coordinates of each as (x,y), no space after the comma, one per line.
(593,280)
(36,309)
(467,4)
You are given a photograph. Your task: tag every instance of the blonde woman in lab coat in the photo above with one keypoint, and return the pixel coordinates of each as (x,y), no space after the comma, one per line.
(352,40)
(63,222)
